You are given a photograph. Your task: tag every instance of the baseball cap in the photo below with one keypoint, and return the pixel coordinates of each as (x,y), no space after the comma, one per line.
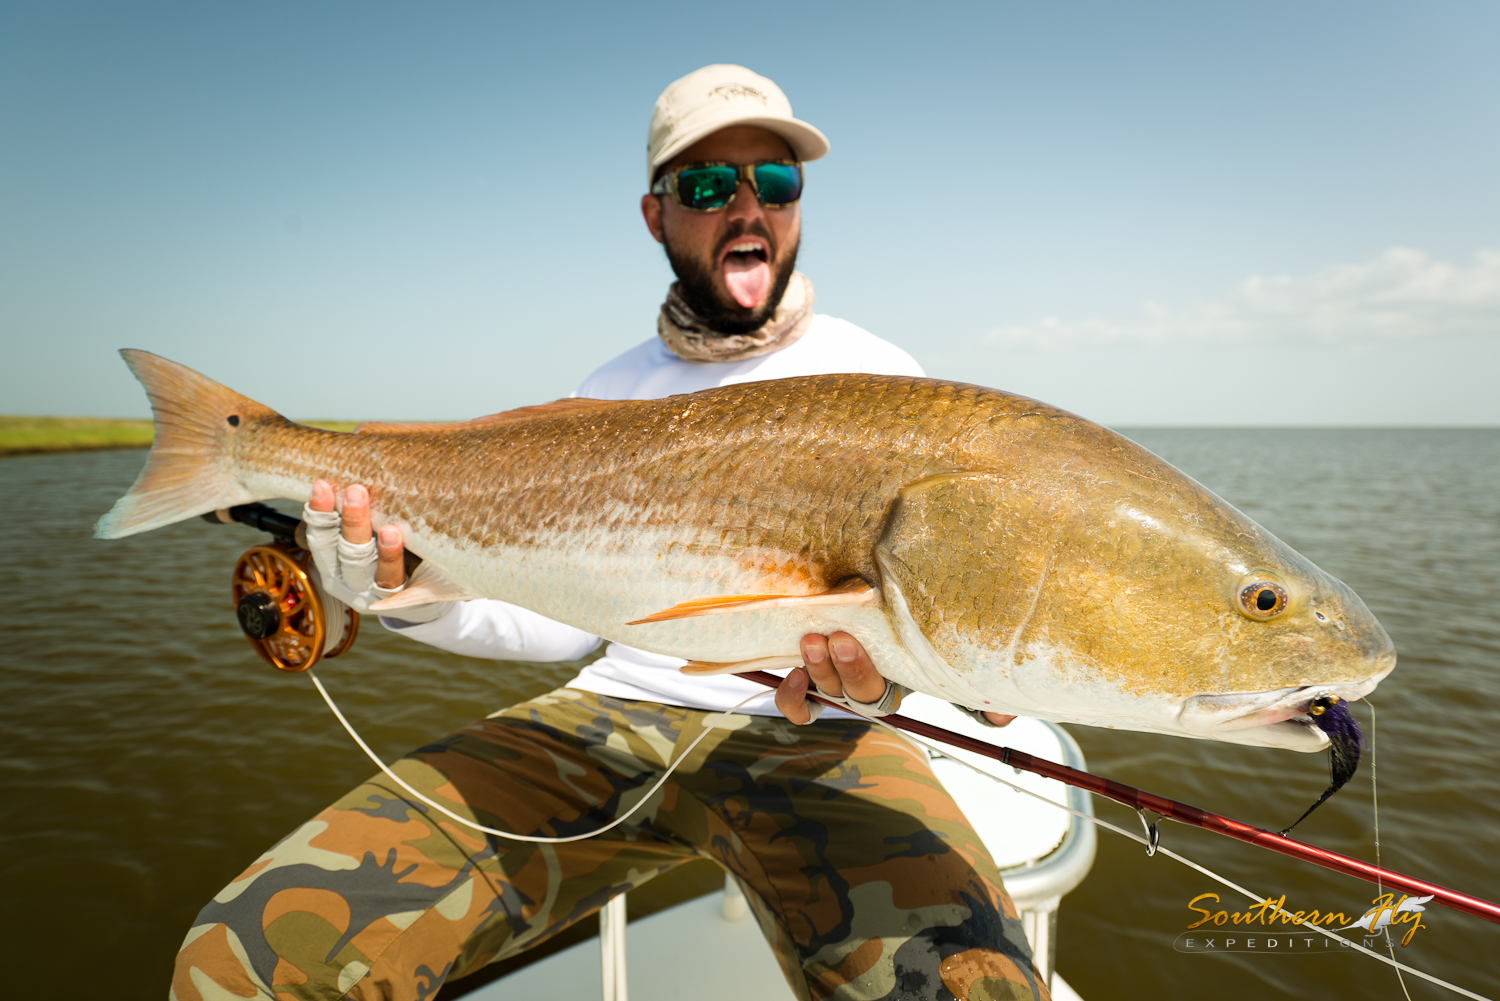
(717,97)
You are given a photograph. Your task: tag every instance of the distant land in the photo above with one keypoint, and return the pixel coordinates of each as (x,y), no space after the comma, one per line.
(32,435)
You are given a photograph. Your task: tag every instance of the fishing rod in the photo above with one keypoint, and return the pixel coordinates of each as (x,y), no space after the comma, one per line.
(1143,802)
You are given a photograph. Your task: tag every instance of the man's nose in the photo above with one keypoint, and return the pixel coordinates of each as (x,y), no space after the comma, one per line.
(745,206)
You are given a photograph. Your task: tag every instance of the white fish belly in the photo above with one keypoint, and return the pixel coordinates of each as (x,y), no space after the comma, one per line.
(601,588)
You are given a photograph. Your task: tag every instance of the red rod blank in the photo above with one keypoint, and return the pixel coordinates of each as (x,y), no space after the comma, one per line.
(1139,799)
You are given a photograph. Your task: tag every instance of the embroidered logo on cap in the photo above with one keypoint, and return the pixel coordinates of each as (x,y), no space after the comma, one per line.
(729,91)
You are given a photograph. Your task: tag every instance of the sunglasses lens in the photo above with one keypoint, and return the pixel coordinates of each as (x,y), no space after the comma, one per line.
(707,187)
(779,183)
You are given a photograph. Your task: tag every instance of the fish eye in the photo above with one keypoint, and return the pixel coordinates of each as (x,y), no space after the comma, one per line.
(1263,599)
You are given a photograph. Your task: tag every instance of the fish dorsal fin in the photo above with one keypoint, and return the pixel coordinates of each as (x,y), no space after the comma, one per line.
(478,423)
(427,586)
(703,668)
(851,592)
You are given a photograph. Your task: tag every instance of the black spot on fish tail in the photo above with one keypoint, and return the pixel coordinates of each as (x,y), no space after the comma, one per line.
(1332,716)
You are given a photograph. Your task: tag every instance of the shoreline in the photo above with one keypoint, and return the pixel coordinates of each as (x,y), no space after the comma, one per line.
(21,435)
(62,447)
(25,435)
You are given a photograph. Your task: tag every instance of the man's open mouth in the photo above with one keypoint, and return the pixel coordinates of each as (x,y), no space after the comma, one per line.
(747,270)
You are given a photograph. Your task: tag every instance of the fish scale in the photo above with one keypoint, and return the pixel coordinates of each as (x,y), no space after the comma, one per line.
(984,547)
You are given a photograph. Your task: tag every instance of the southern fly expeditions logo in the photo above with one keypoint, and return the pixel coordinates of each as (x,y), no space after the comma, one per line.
(1269,928)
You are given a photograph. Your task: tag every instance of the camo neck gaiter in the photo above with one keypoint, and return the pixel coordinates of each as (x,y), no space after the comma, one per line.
(687,337)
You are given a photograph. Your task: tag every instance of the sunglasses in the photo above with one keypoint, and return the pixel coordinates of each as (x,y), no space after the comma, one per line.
(709,187)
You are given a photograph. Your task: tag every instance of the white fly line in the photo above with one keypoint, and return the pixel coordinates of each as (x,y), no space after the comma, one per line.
(708,727)
(1375,813)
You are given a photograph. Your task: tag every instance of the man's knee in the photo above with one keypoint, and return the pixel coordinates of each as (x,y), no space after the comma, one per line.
(211,964)
(906,945)
(313,915)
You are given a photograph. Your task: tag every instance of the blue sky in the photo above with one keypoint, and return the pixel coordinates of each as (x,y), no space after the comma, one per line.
(1279,213)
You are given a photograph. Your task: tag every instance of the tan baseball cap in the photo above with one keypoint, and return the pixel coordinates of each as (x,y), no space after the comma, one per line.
(717,97)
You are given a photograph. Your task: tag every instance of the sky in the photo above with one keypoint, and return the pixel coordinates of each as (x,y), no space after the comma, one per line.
(1147,213)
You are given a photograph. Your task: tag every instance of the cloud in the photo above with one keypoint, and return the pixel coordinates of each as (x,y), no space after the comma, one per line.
(1399,295)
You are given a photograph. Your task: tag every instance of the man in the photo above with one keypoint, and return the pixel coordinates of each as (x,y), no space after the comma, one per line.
(864,875)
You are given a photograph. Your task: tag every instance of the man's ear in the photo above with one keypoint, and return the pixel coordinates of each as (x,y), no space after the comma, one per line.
(651,212)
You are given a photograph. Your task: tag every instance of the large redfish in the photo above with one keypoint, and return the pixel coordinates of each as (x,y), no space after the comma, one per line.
(987,549)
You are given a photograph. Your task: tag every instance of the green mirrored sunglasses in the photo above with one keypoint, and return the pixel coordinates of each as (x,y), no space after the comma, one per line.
(708,187)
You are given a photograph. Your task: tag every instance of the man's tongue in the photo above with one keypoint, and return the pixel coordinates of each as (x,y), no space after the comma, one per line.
(748,278)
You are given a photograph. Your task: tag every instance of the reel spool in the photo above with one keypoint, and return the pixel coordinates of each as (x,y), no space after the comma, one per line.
(283,614)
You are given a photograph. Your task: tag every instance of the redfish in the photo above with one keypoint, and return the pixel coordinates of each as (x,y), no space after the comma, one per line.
(986,549)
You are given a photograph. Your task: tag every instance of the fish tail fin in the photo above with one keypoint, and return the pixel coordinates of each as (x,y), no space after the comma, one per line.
(190,469)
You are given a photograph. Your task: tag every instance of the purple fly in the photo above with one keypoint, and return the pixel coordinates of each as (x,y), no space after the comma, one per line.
(1331,715)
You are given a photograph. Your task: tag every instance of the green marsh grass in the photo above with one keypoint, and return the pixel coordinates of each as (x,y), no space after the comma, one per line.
(30,435)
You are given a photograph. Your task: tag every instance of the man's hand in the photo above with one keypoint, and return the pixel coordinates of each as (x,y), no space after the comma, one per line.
(354,527)
(838,665)
(354,566)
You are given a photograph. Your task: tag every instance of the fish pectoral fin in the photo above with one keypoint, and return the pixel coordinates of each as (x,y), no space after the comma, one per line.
(427,586)
(703,668)
(851,592)
(479,423)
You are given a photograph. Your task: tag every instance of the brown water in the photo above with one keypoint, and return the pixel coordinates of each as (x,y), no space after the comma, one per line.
(149,755)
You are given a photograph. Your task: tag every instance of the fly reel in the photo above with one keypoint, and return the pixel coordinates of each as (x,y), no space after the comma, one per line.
(283,614)
(281,610)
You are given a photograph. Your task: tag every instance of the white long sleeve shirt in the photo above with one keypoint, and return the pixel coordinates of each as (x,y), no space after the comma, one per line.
(501,631)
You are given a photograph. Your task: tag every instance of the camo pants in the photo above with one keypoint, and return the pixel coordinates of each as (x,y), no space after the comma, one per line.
(864,876)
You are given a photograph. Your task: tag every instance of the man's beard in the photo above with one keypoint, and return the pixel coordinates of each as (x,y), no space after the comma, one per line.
(696,285)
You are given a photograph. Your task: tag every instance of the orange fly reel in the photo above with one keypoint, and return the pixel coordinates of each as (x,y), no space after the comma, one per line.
(282,612)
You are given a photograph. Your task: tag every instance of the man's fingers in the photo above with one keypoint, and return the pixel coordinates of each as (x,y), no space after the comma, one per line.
(356,515)
(791,697)
(999,719)
(321,529)
(861,682)
(322,496)
(390,567)
(819,664)
(356,546)
(838,665)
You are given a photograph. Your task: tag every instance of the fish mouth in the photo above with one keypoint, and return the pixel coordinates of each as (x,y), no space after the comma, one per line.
(1276,718)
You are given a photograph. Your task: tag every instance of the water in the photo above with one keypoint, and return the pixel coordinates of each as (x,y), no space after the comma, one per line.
(149,755)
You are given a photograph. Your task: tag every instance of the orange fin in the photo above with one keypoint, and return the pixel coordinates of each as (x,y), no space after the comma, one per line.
(191,468)
(504,417)
(703,668)
(427,586)
(852,592)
